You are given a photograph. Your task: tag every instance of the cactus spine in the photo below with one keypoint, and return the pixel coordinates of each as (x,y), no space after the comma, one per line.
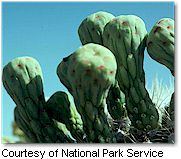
(90,71)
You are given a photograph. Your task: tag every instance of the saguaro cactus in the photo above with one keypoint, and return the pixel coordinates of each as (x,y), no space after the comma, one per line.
(22,78)
(104,75)
(160,43)
(88,74)
(91,28)
(125,36)
(60,107)
(91,31)
(116,102)
(160,46)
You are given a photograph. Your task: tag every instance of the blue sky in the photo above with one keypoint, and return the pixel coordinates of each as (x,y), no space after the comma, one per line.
(48,32)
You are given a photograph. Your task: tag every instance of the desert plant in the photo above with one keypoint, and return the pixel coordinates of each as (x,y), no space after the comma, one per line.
(88,74)
(22,78)
(106,78)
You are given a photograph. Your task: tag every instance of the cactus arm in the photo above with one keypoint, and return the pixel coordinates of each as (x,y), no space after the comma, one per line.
(160,43)
(24,126)
(91,31)
(91,72)
(125,36)
(22,78)
(160,47)
(60,107)
(91,28)
(115,102)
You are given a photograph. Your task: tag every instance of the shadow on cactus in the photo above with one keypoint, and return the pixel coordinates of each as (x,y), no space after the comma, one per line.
(106,78)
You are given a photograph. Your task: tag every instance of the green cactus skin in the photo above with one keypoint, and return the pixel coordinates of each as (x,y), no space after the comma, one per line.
(125,36)
(88,74)
(91,28)
(60,107)
(22,79)
(115,102)
(117,110)
(91,31)
(160,46)
(64,130)
(24,126)
(160,43)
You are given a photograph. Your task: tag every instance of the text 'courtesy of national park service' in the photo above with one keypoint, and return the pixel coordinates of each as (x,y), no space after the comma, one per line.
(79,153)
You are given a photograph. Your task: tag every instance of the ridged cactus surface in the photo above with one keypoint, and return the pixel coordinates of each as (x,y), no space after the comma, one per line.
(161,47)
(116,102)
(160,43)
(125,36)
(91,28)
(22,78)
(88,74)
(106,79)
(60,107)
(91,31)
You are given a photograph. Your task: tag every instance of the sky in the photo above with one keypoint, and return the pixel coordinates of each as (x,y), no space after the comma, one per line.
(48,32)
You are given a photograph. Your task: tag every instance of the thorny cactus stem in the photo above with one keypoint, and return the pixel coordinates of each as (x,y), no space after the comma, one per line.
(22,79)
(160,43)
(116,102)
(91,31)
(88,74)
(61,108)
(160,46)
(91,28)
(24,126)
(125,36)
